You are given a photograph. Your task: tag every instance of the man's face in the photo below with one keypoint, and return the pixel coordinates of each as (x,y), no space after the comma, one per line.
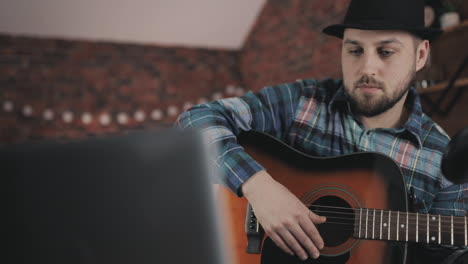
(378,67)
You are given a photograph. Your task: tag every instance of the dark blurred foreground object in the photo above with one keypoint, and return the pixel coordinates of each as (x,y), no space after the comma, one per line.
(455,160)
(143,197)
(427,254)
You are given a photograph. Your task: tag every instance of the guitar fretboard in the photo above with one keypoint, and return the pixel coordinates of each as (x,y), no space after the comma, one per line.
(411,227)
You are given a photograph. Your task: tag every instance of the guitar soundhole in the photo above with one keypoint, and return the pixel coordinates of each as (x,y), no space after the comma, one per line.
(340,219)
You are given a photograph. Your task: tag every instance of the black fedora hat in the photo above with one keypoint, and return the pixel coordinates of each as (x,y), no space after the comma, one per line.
(406,15)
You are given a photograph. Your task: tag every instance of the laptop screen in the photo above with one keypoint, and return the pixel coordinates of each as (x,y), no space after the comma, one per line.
(144,197)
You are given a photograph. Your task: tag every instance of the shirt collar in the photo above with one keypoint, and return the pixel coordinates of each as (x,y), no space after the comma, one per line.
(414,122)
(412,125)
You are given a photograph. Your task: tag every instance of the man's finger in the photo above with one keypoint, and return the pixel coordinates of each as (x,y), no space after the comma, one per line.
(311,231)
(293,244)
(306,241)
(280,243)
(316,218)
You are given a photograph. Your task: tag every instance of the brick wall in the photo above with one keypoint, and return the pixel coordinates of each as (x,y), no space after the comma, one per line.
(286,43)
(94,79)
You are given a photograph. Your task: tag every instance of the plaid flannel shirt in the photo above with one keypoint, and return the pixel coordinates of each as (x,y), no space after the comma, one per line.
(314,117)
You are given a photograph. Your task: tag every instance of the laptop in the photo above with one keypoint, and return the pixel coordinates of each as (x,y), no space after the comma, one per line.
(142,197)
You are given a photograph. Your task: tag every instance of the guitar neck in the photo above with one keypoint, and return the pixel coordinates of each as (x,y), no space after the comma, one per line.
(411,227)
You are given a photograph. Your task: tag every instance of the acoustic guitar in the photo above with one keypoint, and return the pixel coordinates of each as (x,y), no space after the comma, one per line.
(363,196)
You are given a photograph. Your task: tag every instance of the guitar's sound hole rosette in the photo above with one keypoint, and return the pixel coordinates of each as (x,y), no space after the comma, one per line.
(337,203)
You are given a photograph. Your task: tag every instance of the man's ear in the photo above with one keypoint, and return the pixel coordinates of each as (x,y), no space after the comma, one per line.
(422,54)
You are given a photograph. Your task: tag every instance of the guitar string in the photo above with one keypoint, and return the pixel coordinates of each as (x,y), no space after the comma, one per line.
(354,225)
(347,208)
(350,227)
(446,229)
(421,216)
(444,217)
(352,219)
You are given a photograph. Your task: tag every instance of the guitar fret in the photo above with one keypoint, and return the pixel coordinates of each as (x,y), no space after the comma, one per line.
(381,221)
(417,227)
(389,223)
(398,225)
(373,226)
(360,217)
(451,229)
(407,226)
(367,220)
(458,231)
(439,230)
(427,238)
(433,233)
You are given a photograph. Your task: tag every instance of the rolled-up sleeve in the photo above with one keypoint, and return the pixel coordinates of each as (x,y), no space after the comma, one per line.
(270,111)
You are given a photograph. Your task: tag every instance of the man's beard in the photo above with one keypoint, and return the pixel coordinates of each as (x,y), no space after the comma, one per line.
(369,106)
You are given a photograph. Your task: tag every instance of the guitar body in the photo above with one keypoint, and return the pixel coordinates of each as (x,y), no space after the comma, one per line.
(328,186)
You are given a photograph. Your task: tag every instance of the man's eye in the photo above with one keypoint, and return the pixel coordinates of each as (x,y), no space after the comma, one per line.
(386,53)
(355,52)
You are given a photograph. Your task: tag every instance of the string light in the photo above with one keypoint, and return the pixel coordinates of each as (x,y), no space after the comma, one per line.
(139,116)
(202,100)
(230,90)
(86,118)
(27,110)
(67,117)
(123,118)
(105,119)
(217,96)
(156,114)
(172,110)
(48,115)
(239,91)
(187,105)
(7,106)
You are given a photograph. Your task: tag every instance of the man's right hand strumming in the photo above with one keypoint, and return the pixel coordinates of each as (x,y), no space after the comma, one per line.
(285,219)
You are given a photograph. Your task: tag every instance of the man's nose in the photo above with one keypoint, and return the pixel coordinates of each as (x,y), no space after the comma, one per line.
(369,64)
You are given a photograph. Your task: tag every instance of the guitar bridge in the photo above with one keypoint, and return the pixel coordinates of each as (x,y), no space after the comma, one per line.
(254,232)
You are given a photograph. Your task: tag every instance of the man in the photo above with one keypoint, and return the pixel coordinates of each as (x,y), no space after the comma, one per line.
(374,108)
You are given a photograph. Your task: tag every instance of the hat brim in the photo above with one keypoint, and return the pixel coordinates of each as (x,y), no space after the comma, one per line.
(337,30)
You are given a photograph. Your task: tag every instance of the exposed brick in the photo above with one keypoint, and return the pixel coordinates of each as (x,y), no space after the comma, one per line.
(98,77)
(286,43)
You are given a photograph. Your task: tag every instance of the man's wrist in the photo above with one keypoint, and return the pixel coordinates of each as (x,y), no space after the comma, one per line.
(257,179)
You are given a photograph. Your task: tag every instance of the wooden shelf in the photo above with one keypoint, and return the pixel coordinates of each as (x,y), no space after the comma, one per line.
(463,24)
(443,85)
